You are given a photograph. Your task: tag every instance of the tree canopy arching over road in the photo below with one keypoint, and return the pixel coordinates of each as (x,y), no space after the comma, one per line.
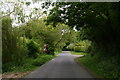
(97,22)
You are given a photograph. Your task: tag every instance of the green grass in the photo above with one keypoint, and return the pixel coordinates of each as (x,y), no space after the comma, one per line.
(29,64)
(78,53)
(26,66)
(90,64)
(100,68)
(42,60)
(56,53)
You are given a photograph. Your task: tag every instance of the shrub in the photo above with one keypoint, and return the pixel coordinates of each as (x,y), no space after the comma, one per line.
(6,67)
(42,59)
(77,48)
(14,51)
(80,46)
(33,48)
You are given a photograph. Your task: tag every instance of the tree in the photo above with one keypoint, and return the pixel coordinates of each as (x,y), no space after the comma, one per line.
(98,22)
(54,37)
(13,48)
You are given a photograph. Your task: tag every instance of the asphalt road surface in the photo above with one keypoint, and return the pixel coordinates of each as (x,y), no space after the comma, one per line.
(62,66)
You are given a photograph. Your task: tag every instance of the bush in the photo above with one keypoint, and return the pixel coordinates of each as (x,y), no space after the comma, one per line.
(81,46)
(33,48)
(42,59)
(103,67)
(77,48)
(14,51)
(7,67)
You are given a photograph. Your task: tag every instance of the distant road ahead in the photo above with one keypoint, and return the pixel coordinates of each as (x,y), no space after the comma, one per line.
(63,66)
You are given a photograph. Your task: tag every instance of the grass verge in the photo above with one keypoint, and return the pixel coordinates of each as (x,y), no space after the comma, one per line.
(28,65)
(56,53)
(90,65)
(100,68)
(78,53)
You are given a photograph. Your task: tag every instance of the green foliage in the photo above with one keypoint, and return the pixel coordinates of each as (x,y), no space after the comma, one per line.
(80,46)
(97,22)
(29,64)
(26,41)
(58,52)
(13,48)
(71,46)
(33,48)
(26,66)
(28,3)
(104,68)
(78,53)
(54,37)
(42,60)
(7,67)
(14,51)
(77,48)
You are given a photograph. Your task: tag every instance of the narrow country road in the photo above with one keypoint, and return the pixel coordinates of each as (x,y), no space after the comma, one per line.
(63,66)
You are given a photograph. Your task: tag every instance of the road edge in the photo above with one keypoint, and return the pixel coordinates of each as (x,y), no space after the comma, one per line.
(93,74)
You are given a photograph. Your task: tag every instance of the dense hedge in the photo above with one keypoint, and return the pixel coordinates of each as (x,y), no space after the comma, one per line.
(81,46)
